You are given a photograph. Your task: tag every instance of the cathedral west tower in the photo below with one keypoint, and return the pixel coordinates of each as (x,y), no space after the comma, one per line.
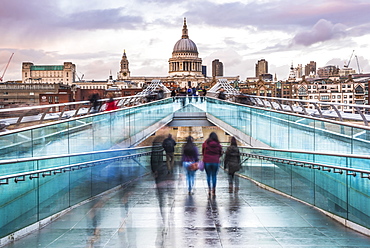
(124,72)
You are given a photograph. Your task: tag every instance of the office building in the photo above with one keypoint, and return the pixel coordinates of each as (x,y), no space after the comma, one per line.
(217,68)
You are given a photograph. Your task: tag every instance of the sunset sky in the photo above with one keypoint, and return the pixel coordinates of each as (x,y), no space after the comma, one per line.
(93,34)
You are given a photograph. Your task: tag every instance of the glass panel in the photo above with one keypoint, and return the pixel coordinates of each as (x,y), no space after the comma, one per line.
(80,135)
(50,140)
(360,141)
(53,194)
(101,132)
(16,145)
(14,168)
(283,178)
(358,201)
(19,206)
(331,192)
(303,184)
(80,185)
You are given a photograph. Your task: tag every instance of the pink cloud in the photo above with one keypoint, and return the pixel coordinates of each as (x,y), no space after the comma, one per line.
(322,31)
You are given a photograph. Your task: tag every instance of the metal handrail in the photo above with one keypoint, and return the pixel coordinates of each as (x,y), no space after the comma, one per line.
(323,167)
(61,169)
(258,100)
(18,160)
(18,115)
(315,166)
(306,152)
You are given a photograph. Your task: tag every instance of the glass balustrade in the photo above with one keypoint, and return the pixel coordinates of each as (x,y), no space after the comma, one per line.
(29,199)
(347,196)
(288,131)
(88,133)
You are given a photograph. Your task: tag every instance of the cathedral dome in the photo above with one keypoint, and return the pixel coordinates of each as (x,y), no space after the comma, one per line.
(185,45)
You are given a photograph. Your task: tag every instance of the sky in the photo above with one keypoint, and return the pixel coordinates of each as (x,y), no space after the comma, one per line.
(93,34)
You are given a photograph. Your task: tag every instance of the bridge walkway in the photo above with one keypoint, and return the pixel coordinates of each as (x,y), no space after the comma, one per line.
(144,213)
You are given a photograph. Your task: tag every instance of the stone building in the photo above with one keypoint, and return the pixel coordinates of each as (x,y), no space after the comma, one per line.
(18,94)
(345,91)
(64,74)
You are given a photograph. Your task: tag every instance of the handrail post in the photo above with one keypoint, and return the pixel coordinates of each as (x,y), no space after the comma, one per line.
(366,123)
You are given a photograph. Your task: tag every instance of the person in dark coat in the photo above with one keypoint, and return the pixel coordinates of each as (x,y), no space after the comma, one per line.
(168,145)
(94,100)
(232,164)
(173,94)
(212,152)
(222,94)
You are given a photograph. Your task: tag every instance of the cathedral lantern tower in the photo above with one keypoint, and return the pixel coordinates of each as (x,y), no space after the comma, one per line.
(185,59)
(124,72)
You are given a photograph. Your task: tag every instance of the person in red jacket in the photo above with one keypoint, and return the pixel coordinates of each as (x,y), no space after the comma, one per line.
(212,152)
(111,103)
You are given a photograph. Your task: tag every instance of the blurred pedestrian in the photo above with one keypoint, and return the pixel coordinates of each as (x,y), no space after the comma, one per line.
(182,95)
(190,156)
(173,94)
(94,100)
(111,103)
(212,152)
(168,145)
(160,93)
(232,164)
(222,94)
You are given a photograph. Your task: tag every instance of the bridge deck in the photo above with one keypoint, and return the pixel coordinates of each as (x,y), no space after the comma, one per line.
(146,214)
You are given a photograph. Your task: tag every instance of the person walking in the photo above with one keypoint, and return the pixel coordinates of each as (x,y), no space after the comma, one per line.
(111,103)
(212,152)
(94,100)
(173,94)
(190,155)
(232,164)
(168,145)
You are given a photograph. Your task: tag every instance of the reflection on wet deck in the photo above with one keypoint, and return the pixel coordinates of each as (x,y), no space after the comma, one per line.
(160,213)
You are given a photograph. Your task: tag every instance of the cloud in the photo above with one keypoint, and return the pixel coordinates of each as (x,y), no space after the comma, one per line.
(42,17)
(322,31)
(100,19)
(279,15)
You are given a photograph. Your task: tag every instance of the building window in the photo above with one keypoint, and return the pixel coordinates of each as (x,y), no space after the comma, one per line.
(57,99)
(338,97)
(50,98)
(302,91)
